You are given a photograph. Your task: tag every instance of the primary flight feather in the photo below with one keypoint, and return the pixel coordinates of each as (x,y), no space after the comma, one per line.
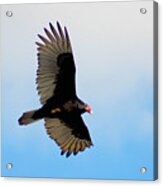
(61,108)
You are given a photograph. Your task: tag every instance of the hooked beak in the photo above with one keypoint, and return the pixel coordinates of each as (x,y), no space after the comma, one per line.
(88,109)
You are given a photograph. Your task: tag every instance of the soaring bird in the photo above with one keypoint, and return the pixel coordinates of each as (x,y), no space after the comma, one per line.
(61,107)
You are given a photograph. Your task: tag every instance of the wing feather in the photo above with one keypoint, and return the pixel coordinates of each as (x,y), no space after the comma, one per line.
(67,136)
(60,31)
(48,73)
(43,39)
(77,148)
(72,147)
(50,36)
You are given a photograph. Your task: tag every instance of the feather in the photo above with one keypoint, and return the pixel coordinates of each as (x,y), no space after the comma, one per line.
(60,31)
(65,148)
(77,148)
(43,39)
(66,136)
(54,32)
(67,40)
(39,44)
(71,148)
(82,145)
(49,35)
(48,56)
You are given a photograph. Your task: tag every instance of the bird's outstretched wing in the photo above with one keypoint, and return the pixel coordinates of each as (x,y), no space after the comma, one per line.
(70,134)
(56,68)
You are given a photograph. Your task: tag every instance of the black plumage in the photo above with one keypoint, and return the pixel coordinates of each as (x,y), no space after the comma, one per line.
(61,108)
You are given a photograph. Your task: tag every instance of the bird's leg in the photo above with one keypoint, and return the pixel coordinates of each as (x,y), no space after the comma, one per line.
(53,111)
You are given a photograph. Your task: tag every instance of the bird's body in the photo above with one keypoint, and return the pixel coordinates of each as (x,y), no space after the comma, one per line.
(61,108)
(69,107)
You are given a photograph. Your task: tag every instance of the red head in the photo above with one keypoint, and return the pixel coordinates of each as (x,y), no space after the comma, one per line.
(88,109)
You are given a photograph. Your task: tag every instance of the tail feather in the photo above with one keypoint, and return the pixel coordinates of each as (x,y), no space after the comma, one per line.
(26,118)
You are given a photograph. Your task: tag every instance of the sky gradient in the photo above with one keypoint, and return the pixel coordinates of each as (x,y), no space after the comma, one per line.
(113,50)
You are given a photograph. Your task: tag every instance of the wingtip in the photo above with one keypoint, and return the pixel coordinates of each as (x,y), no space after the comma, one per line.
(45,30)
(75,153)
(62,153)
(58,25)
(38,44)
(65,30)
(57,22)
(50,24)
(68,155)
(40,36)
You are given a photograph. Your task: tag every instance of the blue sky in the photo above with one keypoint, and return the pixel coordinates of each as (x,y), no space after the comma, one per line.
(114,75)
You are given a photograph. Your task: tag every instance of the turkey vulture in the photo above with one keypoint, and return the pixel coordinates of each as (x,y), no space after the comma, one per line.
(61,108)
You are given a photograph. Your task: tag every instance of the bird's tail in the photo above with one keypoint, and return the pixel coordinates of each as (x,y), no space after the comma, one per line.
(27,118)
